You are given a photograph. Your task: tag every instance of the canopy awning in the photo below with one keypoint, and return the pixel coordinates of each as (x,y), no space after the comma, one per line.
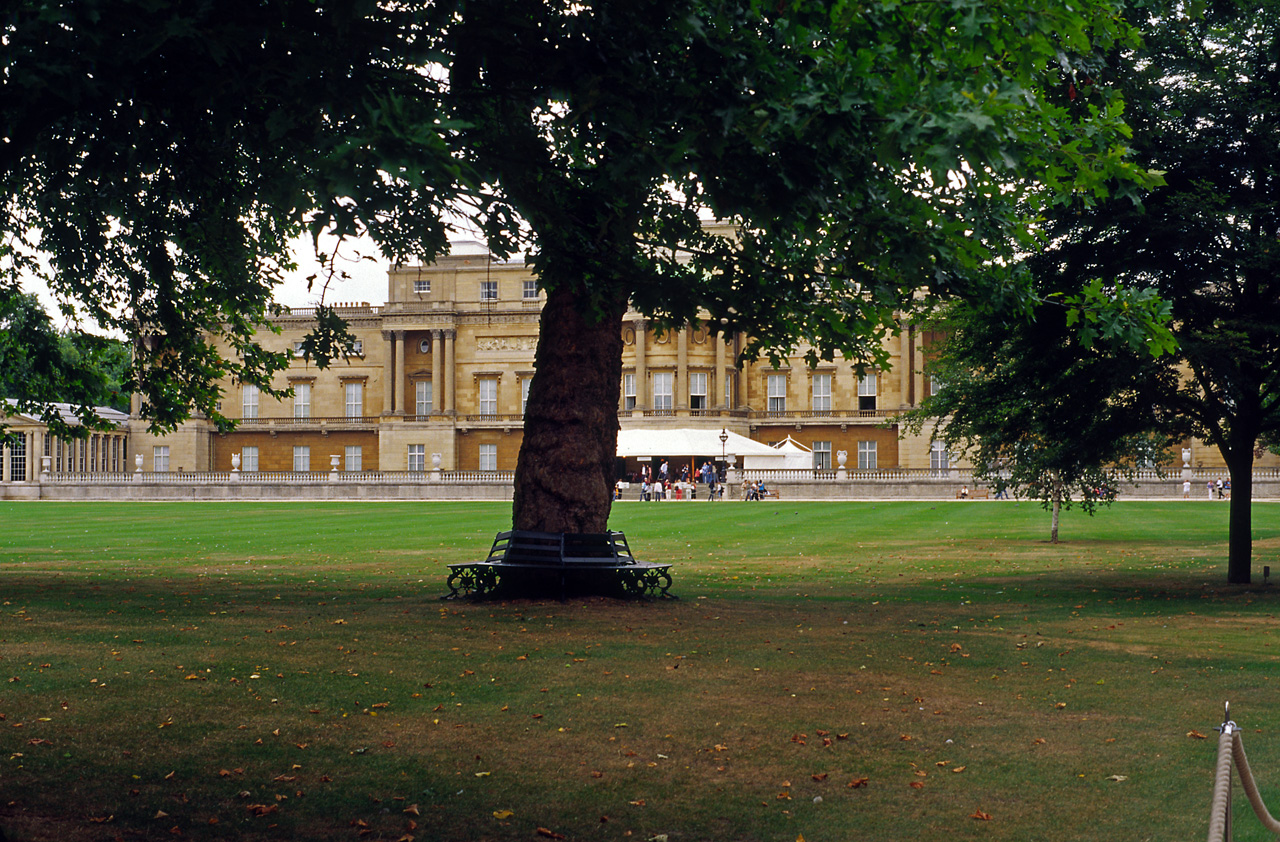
(687,442)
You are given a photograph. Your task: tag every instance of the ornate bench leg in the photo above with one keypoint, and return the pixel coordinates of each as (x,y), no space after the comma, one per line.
(470,581)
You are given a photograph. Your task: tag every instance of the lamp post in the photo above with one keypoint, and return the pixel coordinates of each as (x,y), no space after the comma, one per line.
(724,440)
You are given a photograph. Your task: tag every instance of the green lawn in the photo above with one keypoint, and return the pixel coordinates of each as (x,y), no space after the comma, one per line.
(838,671)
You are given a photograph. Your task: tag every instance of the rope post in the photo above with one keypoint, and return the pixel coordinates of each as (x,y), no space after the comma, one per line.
(1220,810)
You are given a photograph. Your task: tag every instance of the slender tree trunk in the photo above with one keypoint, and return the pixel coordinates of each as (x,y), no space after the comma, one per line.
(565,472)
(1240,529)
(1057,510)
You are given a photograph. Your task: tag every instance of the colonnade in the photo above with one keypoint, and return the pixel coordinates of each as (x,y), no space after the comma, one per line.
(99,453)
(443,373)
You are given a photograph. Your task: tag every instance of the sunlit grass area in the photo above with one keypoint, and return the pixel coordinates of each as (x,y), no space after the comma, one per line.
(925,671)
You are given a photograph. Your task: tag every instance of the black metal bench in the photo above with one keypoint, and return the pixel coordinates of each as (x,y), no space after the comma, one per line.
(524,563)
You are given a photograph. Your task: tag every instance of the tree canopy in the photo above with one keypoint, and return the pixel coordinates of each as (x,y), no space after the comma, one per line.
(1203,97)
(163,152)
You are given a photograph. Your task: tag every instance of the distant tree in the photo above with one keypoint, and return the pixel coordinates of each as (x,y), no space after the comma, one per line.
(1038,413)
(1203,97)
(40,366)
(865,151)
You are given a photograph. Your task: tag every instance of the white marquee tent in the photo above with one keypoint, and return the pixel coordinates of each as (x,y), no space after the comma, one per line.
(692,442)
(788,454)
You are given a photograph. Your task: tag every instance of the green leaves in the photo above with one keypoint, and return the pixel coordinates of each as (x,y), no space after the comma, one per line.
(1121,316)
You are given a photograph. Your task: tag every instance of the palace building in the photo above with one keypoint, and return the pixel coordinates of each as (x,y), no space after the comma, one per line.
(442,371)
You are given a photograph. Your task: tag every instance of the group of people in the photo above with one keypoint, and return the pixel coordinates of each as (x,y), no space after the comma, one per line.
(1220,486)
(664,487)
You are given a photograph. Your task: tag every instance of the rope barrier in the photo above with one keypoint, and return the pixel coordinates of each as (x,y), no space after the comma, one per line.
(1231,752)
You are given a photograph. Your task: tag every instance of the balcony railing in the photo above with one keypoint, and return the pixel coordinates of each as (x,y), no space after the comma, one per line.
(284,477)
(794,415)
(311,421)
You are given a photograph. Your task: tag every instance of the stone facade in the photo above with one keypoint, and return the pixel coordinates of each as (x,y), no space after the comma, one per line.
(443,368)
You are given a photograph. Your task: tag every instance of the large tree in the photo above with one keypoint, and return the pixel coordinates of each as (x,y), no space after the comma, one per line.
(1203,97)
(866,153)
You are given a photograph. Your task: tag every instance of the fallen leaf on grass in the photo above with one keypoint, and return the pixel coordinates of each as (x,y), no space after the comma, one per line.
(1196,735)
(550,834)
(820,776)
(413,810)
(858,782)
(101,819)
(502,814)
(959,769)
(1118,778)
(980,816)
(263,809)
(916,784)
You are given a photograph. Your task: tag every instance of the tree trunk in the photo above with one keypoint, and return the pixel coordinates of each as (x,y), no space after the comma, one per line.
(565,473)
(1057,510)
(1240,530)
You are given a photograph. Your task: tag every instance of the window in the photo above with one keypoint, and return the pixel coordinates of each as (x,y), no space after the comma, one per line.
(867,391)
(355,458)
(417,457)
(628,391)
(822,455)
(424,346)
(866,456)
(354,394)
(935,384)
(160,458)
(302,400)
(524,393)
(297,349)
(249,458)
(115,455)
(697,390)
(82,449)
(663,391)
(777,384)
(821,396)
(302,457)
(422,397)
(248,401)
(18,459)
(488,395)
(939,458)
(422,286)
(530,290)
(93,454)
(488,290)
(488,457)
(357,348)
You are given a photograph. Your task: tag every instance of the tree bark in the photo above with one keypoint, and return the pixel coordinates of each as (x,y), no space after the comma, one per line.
(565,473)
(1240,526)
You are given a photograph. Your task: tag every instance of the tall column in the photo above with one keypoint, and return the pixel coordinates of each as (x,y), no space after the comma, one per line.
(744,383)
(4,467)
(399,391)
(437,371)
(905,366)
(642,367)
(917,394)
(450,374)
(388,373)
(722,375)
(682,368)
